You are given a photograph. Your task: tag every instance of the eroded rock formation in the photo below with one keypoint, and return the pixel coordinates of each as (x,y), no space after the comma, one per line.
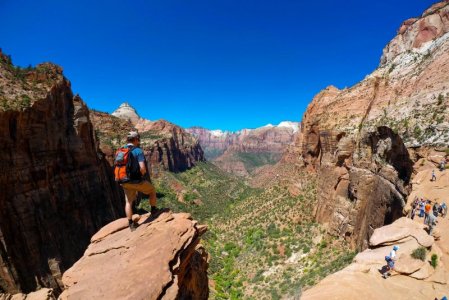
(162,259)
(57,189)
(167,146)
(363,141)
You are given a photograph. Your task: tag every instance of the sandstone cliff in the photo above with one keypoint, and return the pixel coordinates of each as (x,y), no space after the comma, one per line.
(362,141)
(167,147)
(56,186)
(162,259)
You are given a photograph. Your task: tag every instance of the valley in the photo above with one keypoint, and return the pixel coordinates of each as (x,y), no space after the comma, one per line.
(298,210)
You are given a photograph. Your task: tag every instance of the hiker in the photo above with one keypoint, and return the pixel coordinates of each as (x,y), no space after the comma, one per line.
(421,208)
(442,165)
(390,267)
(434,177)
(436,209)
(393,253)
(132,174)
(431,222)
(427,209)
(413,212)
(443,209)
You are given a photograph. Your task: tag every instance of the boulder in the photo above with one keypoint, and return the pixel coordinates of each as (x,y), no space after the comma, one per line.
(400,230)
(161,258)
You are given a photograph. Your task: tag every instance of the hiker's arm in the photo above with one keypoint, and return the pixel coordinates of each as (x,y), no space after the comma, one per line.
(143,169)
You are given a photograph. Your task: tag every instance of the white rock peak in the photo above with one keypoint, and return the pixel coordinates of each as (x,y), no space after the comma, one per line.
(127,112)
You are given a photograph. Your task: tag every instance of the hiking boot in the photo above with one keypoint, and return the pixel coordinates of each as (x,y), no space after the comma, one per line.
(133,226)
(155,210)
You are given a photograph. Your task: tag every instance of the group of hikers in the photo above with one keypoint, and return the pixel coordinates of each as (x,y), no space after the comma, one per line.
(132,174)
(429,212)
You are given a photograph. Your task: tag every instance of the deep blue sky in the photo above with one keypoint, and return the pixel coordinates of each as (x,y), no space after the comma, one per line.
(225,64)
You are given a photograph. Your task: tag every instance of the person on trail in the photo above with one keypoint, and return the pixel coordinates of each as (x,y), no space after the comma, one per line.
(393,253)
(413,211)
(434,177)
(431,222)
(443,209)
(427,209)
(421,208)
(390,267)
(436,209)
(132,174)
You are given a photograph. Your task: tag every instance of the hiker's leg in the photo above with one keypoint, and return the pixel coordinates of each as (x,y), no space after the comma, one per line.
(147,188)
(130,196)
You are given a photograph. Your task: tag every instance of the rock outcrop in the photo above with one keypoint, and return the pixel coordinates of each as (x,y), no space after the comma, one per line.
(57,189)
(412,278)
(362,141)
(167,146)
(127,112)
(162,259)
(42,294)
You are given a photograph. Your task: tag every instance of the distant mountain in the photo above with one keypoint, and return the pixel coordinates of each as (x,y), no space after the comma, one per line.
(166,145)
(243,151)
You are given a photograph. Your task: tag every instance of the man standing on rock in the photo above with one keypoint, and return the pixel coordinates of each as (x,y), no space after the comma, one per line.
(131,172)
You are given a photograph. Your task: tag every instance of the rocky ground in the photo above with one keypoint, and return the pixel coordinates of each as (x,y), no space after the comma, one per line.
(161,259)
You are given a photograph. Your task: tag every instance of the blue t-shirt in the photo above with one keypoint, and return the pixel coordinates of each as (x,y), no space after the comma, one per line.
(138,153)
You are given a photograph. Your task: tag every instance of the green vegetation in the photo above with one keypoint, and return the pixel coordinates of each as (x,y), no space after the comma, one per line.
(391,68)
(263,244)
(419,253)
(212,154)
(253,160)
(434,260)
(440,99)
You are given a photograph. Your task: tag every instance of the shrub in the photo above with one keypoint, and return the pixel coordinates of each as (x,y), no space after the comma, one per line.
(434,260)
(440,99)
(419,253)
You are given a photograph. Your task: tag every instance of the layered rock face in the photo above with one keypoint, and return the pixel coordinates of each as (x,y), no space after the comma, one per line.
(57,189)
(244,151)
(408,92)
(167,147)
(162,259)
(359,139)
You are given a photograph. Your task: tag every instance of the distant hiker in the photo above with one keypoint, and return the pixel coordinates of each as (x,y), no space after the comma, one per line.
(434,177)
(436,209)
(390,267)
(431,222)
(413,211)
(421,208)
(427,209)
(443,209)
(442,165)
(131,172)
(393,252)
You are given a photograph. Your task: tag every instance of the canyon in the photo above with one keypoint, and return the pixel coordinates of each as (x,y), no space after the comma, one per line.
(58,188)
(244,151)
(285,205)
